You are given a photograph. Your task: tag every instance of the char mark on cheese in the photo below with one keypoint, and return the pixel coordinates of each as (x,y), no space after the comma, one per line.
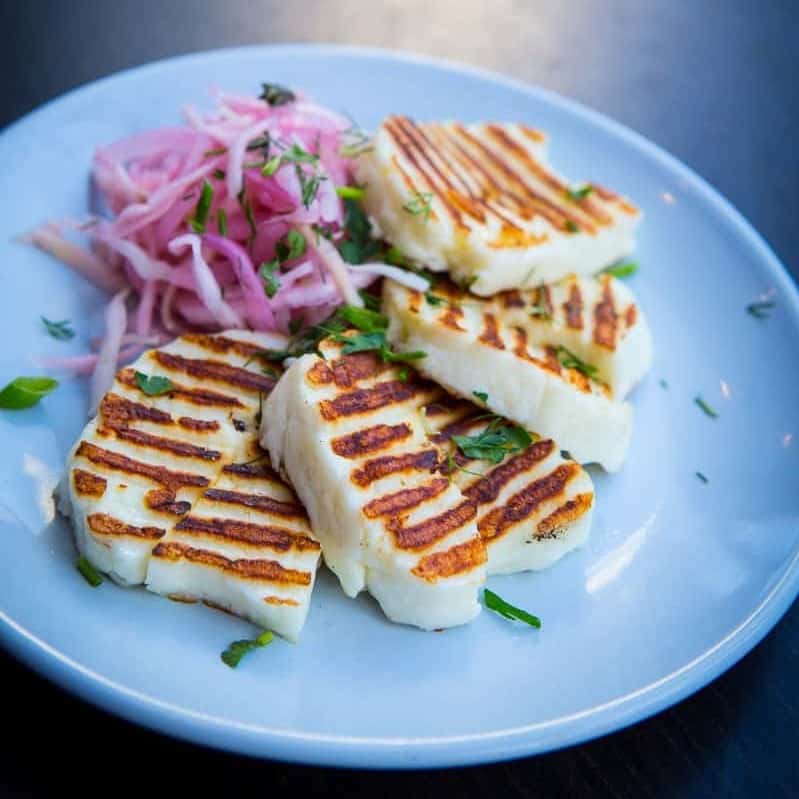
(490,333)
(524,503)
(372,439)
(366,400)
(376,469)
(456,560)
(164,500)
(103,524)
(257,470)
(116,411)
(405,500)
(261,502)
(256,570)
(223,345)
(347,371)
(573,307)
(487,488)
(248,533)
(425,533)
(194,396)
(606,318)
(567,513)
(181,449)
(122,463)
(88,484)
(202,369)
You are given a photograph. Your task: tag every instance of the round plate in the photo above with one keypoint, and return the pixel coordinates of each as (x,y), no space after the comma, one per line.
(678,580)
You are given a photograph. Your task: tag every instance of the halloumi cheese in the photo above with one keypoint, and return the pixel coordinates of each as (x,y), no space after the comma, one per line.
(481,202)
(533,507)
(348,433)
(471,347)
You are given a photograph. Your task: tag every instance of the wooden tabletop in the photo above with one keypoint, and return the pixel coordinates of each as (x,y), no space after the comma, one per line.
(714,83)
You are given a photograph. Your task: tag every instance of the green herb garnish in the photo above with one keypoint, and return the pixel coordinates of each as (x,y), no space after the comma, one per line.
(705,407)
(435,300)
(569,360)
(154,385)
(221,221)
(90,574)
(395,256)
(403,374)
(702,477)
(62,331)
(571,226)
(421,203)
(370,301)
(581,193)
(495,442)
(540,311)
(268,272)
(246,206)
(219,174)
(291,246)
(508,611)
(358,245)
(238,649)
(363,318)
(350,192)
(481,395)
(622,270)
(275,94)
(197,222)
(309,185)
(25,392)
(271,166)
(760,310)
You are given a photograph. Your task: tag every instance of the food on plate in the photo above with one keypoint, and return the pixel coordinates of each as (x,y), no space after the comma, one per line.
(481,202)
(533,505)
(470,346)
(246,547)
(160,438)
(348,432)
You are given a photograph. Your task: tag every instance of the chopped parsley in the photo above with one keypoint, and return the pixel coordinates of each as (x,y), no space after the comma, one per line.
(221,221)
(197,222)
(571,226)
(246,206)
(395,256)
(154,385)
(351,192)
(238,649)
(403,374)
(499,605)
(581,193)
(90,574)
(370,301)
(421,203)
(371,335)
(569,360)
(702,477)
(309,185)
(61,331)
(25,392)
(268,272)
(364,319)
(622,270)
(761,310)
(713,414)
(495,442)
(481,395)
(434,299)
(358,246)
(275,94)
(540,311)
(291,246)
(271,166)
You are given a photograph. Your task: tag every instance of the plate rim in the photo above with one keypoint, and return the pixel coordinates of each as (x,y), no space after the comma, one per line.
(404,752)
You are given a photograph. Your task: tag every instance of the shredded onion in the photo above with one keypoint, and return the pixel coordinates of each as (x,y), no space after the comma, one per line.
(116,319)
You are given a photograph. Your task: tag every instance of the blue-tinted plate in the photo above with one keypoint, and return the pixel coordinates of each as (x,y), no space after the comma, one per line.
(679,579)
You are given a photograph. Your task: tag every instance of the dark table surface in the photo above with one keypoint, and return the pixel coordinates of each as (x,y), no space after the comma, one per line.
(715,83)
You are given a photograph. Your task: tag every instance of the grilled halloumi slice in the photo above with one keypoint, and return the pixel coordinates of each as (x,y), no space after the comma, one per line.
(470,347)
(481,201)
(143,461)
(532,508)
(348,433)
(245,547)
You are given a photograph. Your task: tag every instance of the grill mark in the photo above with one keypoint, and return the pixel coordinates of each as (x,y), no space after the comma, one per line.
(261,502)
(224,345)
(215,370)
(444,404)
(487,488)
(362,442)
(195,396)
(568,512)
(507,143)
(122,463)
(88,484)
(458,427)
(606,318)
(257,570)
(276,600)
(320,374)
(200,425)
(533,134)
(631,315)
(427,532)
(180,449)
(406,137)
(163,500)
(490,333)
(458,559)
(365,400)
(351,369)
(524,503)
(452,316)
(103,524)
(378,468)
(573,307)
(520,344)
(414,301)
(117,411)
(511,299)
(248,533)
(404,500)
(260,470)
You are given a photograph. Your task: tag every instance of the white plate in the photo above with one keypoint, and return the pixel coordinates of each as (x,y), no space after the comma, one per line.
(678,581)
